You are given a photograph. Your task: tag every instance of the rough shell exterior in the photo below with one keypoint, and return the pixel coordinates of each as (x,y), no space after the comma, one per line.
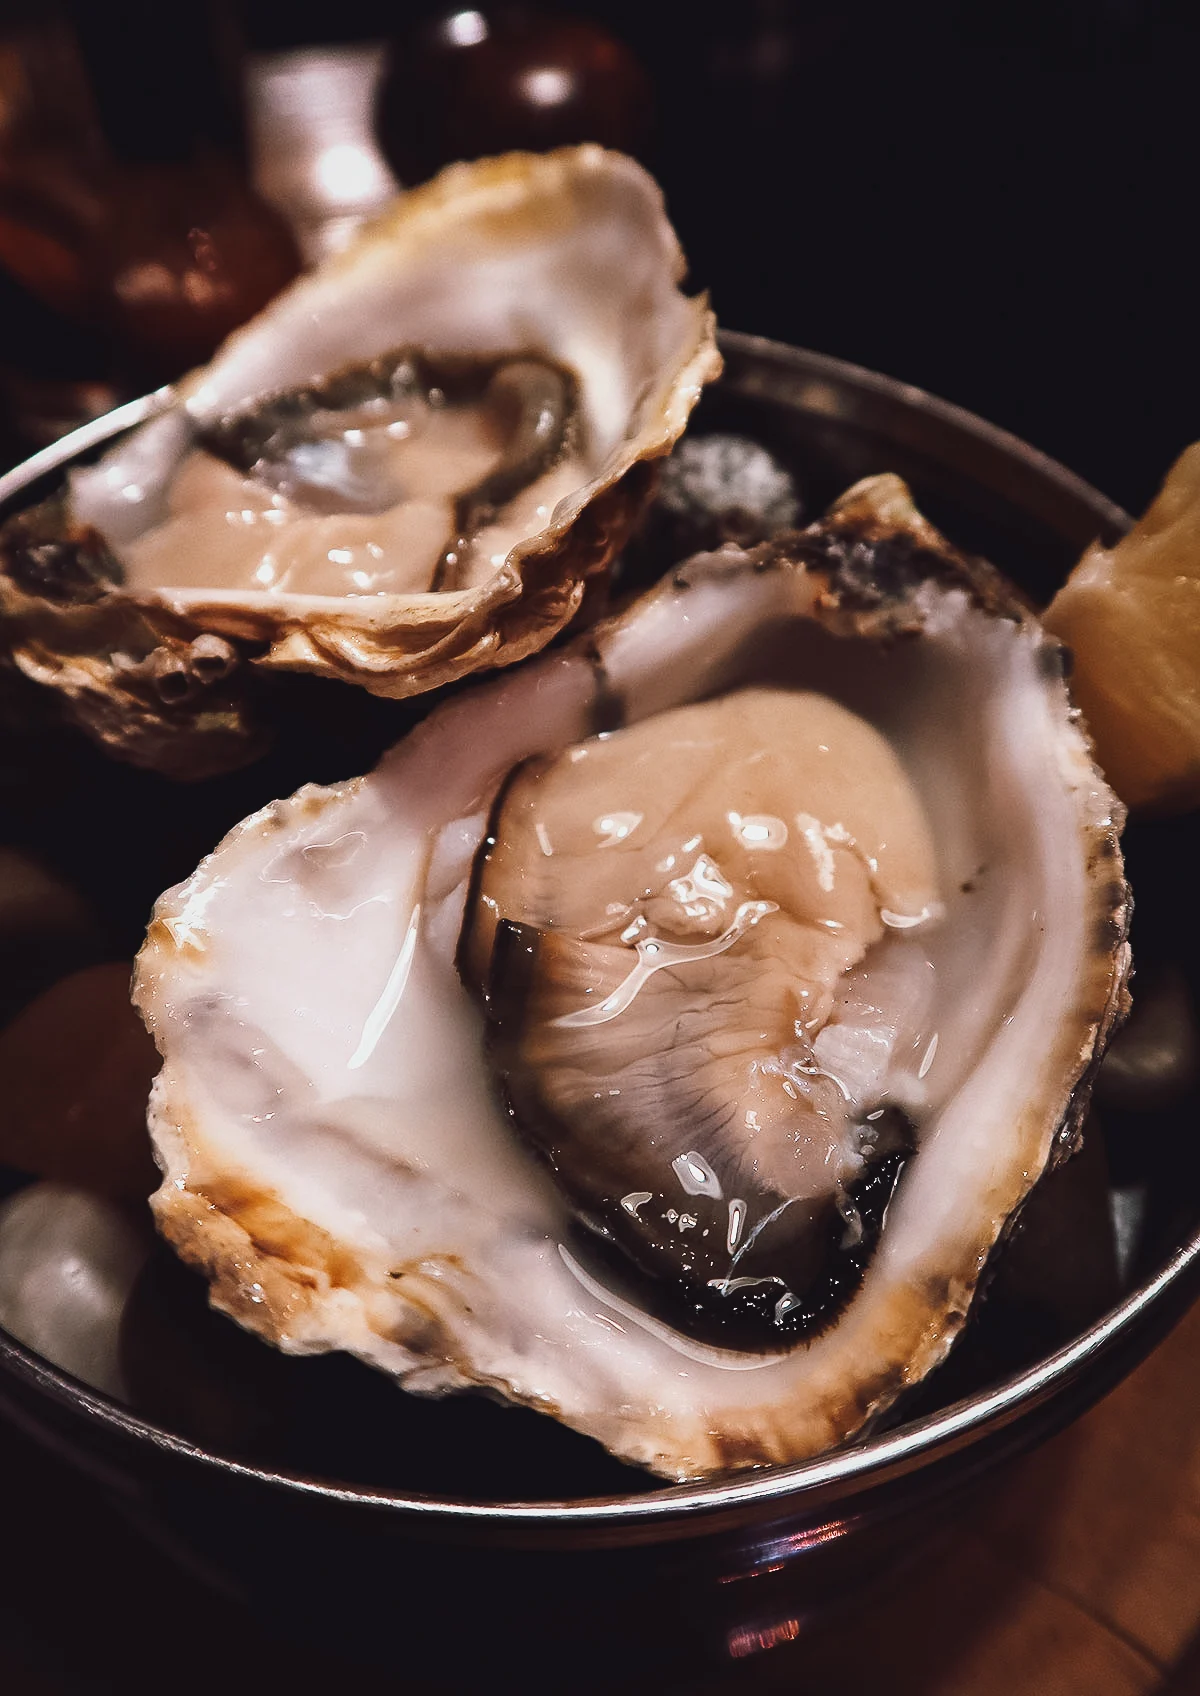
(423,1287)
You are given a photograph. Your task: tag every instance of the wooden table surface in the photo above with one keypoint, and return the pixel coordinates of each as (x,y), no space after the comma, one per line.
(1077,1573)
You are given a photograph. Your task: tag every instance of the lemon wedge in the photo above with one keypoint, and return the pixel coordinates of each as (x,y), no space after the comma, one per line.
(1131,616)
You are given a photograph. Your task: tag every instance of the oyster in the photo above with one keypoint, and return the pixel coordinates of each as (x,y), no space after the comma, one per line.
(409,467)
(664,1034)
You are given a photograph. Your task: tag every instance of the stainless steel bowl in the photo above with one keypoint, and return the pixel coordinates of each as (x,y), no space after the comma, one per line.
(657,1576)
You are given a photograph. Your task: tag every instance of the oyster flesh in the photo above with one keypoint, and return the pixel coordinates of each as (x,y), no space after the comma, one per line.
(409,467)
(664,1034)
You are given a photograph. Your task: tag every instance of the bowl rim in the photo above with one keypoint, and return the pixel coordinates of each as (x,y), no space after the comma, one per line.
(893,1454)
(850,1469)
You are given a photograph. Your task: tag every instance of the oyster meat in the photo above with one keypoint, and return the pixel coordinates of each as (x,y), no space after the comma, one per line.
(664,1034)
(409,467)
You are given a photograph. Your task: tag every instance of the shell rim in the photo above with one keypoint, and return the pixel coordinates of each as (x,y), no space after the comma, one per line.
(906,1448)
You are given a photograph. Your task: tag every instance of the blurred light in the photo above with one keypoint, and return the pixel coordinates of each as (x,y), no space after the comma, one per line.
(146,281)
(547,85)
(202,291)
(347,171)
(466,29)
(754,1639)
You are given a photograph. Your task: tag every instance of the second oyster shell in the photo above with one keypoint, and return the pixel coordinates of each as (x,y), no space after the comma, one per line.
(565,261)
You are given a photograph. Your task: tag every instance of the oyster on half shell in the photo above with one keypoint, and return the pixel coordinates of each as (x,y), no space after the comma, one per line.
(409,467)
(664,1034)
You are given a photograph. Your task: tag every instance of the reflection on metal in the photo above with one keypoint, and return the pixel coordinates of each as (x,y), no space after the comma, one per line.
(746,1640)
(775,1553)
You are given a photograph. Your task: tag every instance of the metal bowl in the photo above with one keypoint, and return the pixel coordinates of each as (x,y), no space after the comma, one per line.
(647,1577)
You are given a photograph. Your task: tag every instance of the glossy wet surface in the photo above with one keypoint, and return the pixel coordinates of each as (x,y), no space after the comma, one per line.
(108,839)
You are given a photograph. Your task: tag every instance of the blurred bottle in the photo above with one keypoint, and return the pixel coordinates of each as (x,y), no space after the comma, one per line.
(311,114)
(54,363)
(131,242)
(186,249)
(474,81)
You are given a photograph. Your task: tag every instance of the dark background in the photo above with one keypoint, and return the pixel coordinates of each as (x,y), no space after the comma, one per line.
(993,199)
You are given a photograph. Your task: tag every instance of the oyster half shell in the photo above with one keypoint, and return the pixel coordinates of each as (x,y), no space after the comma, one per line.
(545,285)
(336,1153)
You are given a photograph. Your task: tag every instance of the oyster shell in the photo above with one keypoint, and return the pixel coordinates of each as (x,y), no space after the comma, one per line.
(409,467)
(337,1156)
